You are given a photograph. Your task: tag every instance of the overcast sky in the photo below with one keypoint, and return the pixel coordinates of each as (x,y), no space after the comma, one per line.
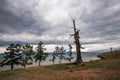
(29,21)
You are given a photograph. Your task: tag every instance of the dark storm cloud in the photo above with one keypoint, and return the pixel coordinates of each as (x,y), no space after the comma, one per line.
(10,23)
(6,43)
(100,18)
(104,21)
(2,3)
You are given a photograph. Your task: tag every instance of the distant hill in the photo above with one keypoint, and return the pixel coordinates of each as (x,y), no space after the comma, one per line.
(110,55)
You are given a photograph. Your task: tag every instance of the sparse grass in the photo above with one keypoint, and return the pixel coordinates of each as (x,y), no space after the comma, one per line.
(110,55)
(106,69)
(108,64)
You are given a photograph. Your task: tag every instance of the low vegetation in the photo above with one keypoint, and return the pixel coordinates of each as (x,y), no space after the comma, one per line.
(105,69)
(110,55)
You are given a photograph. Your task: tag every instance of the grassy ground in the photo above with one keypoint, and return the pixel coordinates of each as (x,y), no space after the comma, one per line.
(110,55)
(106,69)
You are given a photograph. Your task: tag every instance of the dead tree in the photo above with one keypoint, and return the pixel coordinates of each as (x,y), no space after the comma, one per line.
(79,60)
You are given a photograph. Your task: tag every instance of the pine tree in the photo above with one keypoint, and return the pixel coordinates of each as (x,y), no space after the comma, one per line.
(69,58)
(27,51)
(54,55)
(40,54)
(12,56)
(60,52)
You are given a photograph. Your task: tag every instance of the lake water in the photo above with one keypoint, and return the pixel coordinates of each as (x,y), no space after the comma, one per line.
(85,56)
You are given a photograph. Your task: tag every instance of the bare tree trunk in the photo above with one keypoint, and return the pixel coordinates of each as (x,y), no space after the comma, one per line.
(25,62)
(79,60)
(12,66)
(53,62)
(70,60)
(39,62)
(59,61)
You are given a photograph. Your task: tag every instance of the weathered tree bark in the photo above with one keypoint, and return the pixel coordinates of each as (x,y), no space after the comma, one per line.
(79,60)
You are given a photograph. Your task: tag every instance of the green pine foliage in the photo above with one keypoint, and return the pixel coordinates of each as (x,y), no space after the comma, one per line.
(12,56)
(54,55)
(60,53)
(70,57)
(40,55)
(27,51)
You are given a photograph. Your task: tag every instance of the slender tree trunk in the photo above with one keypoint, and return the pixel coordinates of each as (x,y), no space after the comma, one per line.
(24,65)
(78,45)
(25,62)
(12,66)
(70,60)
(39,62)
(59,61)
(53,61)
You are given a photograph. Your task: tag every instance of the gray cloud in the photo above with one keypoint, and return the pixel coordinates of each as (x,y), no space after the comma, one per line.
(103,22)
(50,21)
(10,23)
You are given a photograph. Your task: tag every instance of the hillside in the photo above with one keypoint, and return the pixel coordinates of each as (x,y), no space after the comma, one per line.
(110,55)
(105,69)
